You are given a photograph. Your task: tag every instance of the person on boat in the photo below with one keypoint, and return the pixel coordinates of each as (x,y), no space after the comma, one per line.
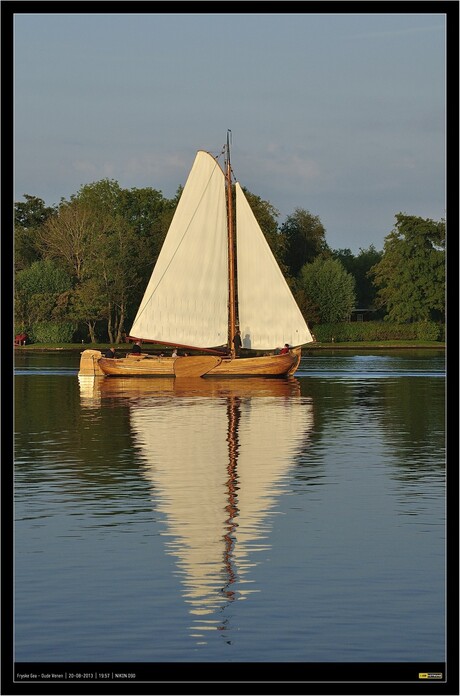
(237,342)
(110,352)
(285,349)
(136,350)
(174,353)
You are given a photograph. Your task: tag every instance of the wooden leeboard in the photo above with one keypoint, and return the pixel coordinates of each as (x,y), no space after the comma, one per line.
(195,365)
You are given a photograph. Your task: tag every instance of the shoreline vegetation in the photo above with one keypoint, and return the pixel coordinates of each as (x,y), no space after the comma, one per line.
(150,348)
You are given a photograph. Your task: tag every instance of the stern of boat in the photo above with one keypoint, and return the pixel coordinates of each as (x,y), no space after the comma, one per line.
(89,364)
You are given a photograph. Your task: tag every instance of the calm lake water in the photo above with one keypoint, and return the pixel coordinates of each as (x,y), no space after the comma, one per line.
(285,521)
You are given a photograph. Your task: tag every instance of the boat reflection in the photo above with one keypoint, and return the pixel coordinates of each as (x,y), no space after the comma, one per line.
(92,389)
(217,455)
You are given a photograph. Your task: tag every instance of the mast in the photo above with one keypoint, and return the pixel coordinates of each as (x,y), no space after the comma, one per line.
(231,255)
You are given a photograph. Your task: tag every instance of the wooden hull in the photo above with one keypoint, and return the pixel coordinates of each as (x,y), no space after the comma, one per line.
(138,366)
(191,366)
(265,366)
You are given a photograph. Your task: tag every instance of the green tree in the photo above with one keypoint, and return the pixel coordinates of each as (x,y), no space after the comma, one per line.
(134,224)
(143,209)
(329,288)
(103,195)
(359,267)
(119,270)
(41,293)
(131,227)
(29,216)
(70,235)
(88,305)
(32,213)
(304,238)
(102,251)
(410,276)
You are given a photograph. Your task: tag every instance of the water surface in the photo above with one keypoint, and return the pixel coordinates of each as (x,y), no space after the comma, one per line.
(298,520)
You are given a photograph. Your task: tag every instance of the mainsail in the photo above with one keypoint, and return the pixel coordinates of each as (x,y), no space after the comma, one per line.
(187,302)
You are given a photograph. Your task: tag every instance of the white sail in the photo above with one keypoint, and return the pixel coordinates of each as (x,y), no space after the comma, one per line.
(187,297)
(268,313)
(186,300)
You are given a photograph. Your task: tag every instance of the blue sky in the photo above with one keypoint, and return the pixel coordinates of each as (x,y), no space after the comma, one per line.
(342,115)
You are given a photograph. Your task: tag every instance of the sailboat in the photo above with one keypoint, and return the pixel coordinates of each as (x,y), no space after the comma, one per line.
(214,276)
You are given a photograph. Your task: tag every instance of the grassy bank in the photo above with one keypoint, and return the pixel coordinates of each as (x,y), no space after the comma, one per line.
(124,347)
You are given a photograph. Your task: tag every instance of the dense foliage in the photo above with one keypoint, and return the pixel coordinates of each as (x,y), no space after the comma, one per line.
(42,293)
(358,266)
(330,288)
(352,331)
(304,240)
(82,266)
(411,274)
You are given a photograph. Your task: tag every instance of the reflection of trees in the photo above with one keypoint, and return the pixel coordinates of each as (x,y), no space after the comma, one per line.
(92,445)
(407,412)
(413,423)
(330,399)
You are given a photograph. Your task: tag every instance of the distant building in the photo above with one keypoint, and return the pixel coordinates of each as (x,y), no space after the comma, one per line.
(362,314)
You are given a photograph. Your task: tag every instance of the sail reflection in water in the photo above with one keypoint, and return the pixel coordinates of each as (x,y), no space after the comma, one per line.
(217,455)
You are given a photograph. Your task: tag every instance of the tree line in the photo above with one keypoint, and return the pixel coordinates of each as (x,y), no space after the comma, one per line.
(81,267)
